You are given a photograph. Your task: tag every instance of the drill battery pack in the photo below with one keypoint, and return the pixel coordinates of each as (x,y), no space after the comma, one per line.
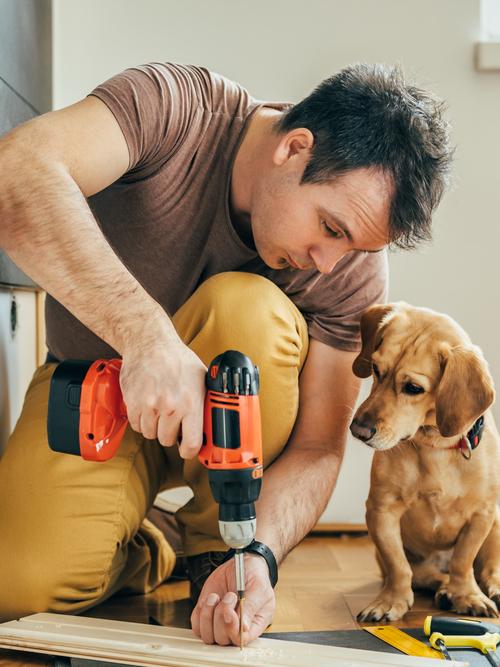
(86,413)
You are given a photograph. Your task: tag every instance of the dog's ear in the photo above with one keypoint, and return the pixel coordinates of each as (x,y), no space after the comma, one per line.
(370,322)
(464,392)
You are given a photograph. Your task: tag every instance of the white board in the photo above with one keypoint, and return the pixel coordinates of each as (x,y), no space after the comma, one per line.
(148,645)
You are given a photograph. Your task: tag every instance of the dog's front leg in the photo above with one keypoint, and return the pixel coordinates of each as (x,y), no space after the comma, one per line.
(396,596)
(487,563)
(462,593)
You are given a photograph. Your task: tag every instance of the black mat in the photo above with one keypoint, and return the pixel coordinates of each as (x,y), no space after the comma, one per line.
(364,640)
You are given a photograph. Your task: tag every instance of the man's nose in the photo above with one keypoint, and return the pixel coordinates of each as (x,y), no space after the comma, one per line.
(325,260)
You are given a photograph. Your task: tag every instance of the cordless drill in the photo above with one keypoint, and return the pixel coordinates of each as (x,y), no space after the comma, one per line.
(87,416)
(232,452)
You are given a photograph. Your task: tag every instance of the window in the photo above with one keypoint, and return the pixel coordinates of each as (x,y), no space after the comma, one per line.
(490,20)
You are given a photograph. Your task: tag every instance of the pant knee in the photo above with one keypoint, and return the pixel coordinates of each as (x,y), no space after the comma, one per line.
(255,299)
(25,591)
(245,306)
(248,313)
(70,583)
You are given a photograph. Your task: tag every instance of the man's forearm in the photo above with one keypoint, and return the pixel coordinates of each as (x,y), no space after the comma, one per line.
(49,231)
(295,491)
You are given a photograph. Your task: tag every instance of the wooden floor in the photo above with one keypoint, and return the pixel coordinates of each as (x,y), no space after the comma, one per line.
(323,584)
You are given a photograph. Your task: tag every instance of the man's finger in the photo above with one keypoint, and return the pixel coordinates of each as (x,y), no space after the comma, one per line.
(149,424)
(207,618)
(195,617)
(256,628)
(168,429)
(134,419)
(249,611)
(226,620)
(257,615)
(192,435)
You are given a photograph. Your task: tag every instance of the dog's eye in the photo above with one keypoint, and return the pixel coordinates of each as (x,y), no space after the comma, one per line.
(410,388)
(376,371)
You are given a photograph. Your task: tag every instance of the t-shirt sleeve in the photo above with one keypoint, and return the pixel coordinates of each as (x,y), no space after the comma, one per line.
(156,105)
(356,284)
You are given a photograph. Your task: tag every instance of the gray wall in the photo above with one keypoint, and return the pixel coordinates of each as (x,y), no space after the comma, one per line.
(25,79)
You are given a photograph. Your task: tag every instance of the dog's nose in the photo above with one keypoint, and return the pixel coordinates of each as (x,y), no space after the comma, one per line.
(363,429)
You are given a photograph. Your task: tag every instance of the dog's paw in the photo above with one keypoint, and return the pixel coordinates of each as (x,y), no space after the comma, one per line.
(388,606)
(471,604)
(491,587)
(494,596)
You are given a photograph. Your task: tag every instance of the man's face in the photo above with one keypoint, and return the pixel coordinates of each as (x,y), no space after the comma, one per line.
(314,225)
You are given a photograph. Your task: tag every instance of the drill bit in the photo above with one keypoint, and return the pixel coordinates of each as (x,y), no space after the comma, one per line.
(240,587)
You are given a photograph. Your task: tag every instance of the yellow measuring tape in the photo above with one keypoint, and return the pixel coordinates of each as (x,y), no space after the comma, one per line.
(403,642)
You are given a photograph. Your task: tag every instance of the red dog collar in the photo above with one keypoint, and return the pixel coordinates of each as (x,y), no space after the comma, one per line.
(469,442)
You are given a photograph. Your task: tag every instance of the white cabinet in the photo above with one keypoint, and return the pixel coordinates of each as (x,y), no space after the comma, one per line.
(18,353)
(346,508)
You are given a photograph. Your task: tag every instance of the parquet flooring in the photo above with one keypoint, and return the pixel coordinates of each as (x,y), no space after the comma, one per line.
(325,581)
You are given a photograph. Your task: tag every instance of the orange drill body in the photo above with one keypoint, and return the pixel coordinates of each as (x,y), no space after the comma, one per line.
(243,412)
(232,444)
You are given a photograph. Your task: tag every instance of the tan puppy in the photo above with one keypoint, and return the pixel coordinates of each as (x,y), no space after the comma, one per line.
(431,512)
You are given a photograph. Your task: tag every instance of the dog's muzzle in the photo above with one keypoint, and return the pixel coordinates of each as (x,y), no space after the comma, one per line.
(363,429)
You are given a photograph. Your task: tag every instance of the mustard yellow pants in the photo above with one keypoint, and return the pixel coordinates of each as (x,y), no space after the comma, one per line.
(73,532)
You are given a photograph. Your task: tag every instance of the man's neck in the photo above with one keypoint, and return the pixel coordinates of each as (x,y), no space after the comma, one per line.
(252,160)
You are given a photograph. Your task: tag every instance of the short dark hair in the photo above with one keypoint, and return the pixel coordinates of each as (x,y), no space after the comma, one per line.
(367,116)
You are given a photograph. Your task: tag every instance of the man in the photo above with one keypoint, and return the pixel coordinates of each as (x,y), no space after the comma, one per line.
(170,216)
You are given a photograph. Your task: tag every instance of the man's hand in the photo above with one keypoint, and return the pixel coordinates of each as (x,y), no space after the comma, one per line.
(163,385)
(215,618)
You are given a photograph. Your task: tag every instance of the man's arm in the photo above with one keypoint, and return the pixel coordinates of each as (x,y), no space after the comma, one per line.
(295,491)
(48,166)
(299,484)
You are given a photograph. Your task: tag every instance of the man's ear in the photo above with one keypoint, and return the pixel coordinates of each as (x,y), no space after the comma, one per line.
(293,142)
(465,391)
(370,322)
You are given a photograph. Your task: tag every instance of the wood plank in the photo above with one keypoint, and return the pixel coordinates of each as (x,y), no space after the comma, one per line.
(138,644)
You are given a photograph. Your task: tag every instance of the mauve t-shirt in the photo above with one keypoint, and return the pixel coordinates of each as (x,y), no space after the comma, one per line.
(168,216)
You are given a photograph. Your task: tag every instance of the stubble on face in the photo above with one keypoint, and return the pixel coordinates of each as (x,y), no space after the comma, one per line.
(274,212)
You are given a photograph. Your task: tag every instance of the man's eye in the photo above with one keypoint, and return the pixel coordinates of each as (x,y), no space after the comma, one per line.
(412,389)
(331,232)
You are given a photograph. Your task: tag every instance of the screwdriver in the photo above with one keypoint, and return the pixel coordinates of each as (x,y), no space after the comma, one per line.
(240,587)
(445,632)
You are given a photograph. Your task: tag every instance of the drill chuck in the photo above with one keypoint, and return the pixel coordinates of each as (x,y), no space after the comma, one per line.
(235,491)
(238,534)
